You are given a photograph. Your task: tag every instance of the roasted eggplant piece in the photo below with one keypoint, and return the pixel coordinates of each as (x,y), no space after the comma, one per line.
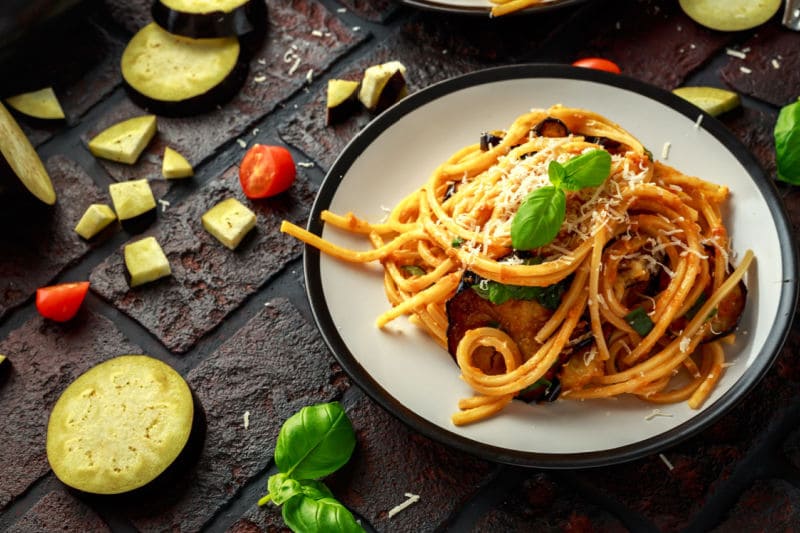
(42,104)
(342,100)
(551,127)
(229,221)
(95,219)
(490,139)
(383,85)
(520,319)
(724,319)
(209,19)
(174,75)
(120,425)
(134,203)
(24,181)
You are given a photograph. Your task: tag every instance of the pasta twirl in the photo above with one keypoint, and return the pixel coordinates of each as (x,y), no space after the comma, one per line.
(634,295)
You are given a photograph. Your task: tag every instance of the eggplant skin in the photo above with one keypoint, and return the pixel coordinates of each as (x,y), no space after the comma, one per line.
(249,17)
(551,127)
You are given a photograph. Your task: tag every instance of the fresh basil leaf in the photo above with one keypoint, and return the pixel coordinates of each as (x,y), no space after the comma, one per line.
(282,488)
(499,293)
(550,297)
(308,515)
(639,321)
(414,270)
(556,173)
(315,441)
(787,143)
(457,242)
(649,155)
(589,169)
(539,218)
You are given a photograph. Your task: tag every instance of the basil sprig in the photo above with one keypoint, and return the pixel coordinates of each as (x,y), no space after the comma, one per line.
(787,144)
(313,443)
(540,216)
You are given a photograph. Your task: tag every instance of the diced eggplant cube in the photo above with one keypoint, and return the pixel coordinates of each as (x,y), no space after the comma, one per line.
(229,221)
(134,203)
(383,85)
(124,142)
(175,165)
(96,218)
(342,100)
(145,261)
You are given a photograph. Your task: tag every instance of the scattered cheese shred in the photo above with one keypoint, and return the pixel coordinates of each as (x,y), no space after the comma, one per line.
(698,121)
(242,143)
(657,412)
(164,204)
(745,70)
(666,461)
(665,150)
(246,419)
(736,53)
(306,164)
(411,500)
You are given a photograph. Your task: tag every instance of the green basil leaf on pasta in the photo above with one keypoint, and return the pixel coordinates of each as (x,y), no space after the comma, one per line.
(315,441)
(589,169)
(539,218)
(556,173)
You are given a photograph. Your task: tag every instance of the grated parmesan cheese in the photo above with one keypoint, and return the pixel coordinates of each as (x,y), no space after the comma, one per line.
(684,344)
(665,461)
(665,150)
(736,53)
(242,143)
(745,70)
(246,418)
(411,500)
(776,64)
(164,204)
(698,121)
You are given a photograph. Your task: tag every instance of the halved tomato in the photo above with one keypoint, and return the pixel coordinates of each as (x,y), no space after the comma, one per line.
(598,63)
(266,171)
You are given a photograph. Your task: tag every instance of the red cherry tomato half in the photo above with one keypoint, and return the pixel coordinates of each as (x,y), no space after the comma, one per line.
(266,171)
(597,63)
(61,302)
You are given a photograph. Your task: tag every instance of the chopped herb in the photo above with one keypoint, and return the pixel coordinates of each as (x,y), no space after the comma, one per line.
(649,155)
(498,293)
(414,270)
(639,321)
(696,306)
(457,242)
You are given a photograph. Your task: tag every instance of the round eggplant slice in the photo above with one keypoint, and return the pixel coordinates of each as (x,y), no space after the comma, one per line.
(201,19)
(22,174)
(174,75)
(120,425)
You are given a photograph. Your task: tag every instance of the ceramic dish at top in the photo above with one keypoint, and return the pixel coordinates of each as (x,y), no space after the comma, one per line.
(483,7)
(415,379)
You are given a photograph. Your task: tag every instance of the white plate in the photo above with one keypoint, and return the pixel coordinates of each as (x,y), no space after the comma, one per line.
(414,378)
(482,6)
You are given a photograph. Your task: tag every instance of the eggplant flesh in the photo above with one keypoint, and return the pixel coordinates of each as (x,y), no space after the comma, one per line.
(230,18)
(551,127)
(723,320)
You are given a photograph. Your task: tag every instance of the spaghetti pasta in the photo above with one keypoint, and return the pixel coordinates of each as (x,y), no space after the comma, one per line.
(634,295)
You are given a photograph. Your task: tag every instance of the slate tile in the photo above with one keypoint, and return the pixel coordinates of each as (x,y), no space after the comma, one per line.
(208,280)
(540,503)
(130,14)
(372,10)
(272,367)
(59,511)
(671,498)
(38,250)
(389,460)
(652,40)
(755,129)
(306,128)
(767,505)
(45,358)
(280,65)
(772,66)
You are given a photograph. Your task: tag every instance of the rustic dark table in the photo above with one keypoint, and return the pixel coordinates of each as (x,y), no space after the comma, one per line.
(239,327)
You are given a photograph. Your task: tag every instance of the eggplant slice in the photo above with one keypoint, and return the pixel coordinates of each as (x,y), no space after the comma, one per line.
(174,75)
(209,19)
(23,178)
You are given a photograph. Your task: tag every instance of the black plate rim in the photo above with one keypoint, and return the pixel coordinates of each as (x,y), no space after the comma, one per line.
(769,351)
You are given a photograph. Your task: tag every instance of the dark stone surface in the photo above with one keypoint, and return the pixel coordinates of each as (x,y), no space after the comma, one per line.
(272,367)
(130,14)
(540,503)
(272,79)
(754,129)
(373,10)
(389,461)
(768,505)
(45,358)
(59,511)
(37,250)
(652,40)
(778,86)
(208,280)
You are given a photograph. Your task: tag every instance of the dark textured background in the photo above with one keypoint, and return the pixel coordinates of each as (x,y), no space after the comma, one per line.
(238,326)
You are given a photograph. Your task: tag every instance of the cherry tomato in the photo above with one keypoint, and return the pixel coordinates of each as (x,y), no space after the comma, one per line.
(266,171)
(597,63)
(61,302)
